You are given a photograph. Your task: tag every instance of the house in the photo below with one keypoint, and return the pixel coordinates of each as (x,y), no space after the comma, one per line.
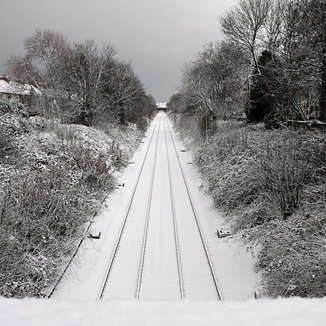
(16,90)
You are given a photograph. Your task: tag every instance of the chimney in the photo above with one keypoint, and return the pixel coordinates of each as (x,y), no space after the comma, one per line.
(5,77)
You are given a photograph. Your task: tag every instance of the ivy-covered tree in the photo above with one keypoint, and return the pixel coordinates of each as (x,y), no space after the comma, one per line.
(261,101)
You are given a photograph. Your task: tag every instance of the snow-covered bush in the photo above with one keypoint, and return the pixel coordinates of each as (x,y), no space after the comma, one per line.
(293,257)
(287,162)
(12,106)
(42,216)
(272,186)
(51,183)
(4,141)
(275,119)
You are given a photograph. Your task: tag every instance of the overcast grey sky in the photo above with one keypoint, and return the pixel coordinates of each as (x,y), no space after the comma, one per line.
(158,36)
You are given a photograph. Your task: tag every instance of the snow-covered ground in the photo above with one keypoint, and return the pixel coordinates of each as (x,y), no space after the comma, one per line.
(74,301)
(287,312)
(234,266)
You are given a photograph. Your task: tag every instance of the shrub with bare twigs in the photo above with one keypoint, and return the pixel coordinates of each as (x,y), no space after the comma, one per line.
(272,186)
(51,184)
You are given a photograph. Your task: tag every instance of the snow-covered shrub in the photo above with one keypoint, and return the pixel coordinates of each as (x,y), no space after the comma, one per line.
(275,119)
(272,185)
(42,215)
(188,125)
(293,257)
(142,123)
(227,161)
(12,106)
(23,273)
(51,184)
(261,174)
(4,141)
(284,165)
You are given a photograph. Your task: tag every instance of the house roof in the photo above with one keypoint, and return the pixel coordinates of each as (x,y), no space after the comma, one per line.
(17,88)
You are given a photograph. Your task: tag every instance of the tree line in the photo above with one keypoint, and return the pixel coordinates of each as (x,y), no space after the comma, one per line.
(271,64)
(81,82)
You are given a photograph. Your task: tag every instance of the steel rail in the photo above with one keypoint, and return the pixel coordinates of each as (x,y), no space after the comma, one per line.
(115,249)
(148,211)
(210,264)
(175,225)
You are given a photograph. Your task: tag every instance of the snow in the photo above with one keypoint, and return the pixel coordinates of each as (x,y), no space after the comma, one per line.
(33,312)
(161,105)
(233,265)
(233,262)
(17,88)
(74,302)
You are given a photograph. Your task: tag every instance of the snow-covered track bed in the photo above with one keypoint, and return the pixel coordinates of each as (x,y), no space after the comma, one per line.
(160,252)
(124,272)
(190,233)
(153,247)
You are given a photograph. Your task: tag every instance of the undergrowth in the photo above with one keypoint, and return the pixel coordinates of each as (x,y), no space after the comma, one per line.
(52,181)
(272,185)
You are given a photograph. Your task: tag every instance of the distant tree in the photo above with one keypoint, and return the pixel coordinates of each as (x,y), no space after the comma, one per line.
(197,89)
(83,78)
(273,26)
(294,75)
(309,50)
(139,110)
(149,104)
(215,83)
(175,103)
(256,26)
(43,63)
(80,80)
(121,87)
(229,69)
(245,25)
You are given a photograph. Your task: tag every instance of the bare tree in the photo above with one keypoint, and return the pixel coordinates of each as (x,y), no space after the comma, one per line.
(175,103)
(43,63)
(83,78)
(80,80)
(229,67)
(214,84)
(274,25)
(23,68)
(310,49)
(121,87)
(294,75)
(244,24)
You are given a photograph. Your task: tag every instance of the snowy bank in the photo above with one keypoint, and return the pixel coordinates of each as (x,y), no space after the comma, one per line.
(294,311)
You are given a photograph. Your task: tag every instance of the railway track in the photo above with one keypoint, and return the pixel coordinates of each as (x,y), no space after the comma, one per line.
(116,246)
(196,217)
(160,250)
